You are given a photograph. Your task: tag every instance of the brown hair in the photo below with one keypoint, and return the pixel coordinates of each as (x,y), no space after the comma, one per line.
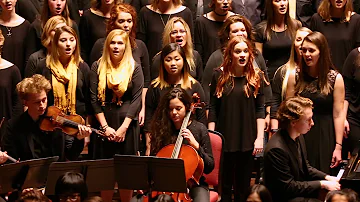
(33,195)
(252,73)
(324,11)
(35,84)
(114,13)
(324,64)
(50,26)
(291,110)
(45,13)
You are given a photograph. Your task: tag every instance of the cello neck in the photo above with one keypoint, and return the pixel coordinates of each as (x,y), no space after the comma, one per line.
(180,138)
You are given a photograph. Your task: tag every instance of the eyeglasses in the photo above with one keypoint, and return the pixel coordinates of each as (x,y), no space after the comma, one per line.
(175,32)
(72,197)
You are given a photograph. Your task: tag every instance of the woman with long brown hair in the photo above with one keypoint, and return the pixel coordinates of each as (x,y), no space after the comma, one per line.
(237,111)
(316,79)
(275,34)
(340,25)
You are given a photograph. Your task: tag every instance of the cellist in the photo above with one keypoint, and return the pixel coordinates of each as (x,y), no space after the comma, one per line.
(165,127)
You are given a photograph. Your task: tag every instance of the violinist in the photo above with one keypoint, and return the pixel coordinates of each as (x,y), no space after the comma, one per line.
(166,125)
(23,138)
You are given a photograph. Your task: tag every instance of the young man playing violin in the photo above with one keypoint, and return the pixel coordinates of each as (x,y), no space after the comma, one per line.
(25,140)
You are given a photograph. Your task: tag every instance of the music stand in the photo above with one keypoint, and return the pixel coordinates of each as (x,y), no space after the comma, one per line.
(25,174)
(150,173)
(98,174)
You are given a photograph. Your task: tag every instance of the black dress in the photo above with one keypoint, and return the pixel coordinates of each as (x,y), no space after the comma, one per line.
(92,27)
(34,61)
(196,73)
(34,37)
(140,55)
(320,140)
(276,88)
(276,52)
(15,43)
(351,74)
(341,37)
(151,27)
(206,37)
(116,114)
(154,94)
(83,106)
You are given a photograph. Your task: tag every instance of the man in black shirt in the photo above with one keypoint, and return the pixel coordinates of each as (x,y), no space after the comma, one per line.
(23,138)
(287,173)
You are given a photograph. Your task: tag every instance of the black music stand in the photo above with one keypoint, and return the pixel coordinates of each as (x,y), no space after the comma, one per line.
(98,174)
(150,173)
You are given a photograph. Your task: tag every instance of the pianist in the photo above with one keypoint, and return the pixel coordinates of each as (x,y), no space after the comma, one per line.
(287,173)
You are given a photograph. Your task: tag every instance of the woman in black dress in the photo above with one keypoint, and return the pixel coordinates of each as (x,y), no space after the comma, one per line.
(166,126)
(123,16)
(93,26)
(316,79)
(15,29)
(237,111)
(275,34)
(10,104)
(46,37)
(174,71)
(207,27)
(281,76)
(154,17)
(178,31)
(50,8)
(341,27)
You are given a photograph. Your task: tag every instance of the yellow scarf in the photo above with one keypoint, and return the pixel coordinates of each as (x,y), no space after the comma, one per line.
(117,79)
(66,101)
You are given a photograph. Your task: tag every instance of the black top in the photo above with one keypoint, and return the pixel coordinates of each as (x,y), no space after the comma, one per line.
(34,61)
(131,98)
(285,175)
(201,135)
(10,104)
(215,61)
(351,74)
(206,37)
(235,114)
(140,55)
(151,27)
(305,9)
(92,27)
(276,52)
(196,73)
(14,45)
(253,10)
(341,37)
(24,139)
(154,94)
(34,37)
(28,9)
(138,4)
(83,107)
(276,87)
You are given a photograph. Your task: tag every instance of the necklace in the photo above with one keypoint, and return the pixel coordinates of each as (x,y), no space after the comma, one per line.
(9,33)
(162,20)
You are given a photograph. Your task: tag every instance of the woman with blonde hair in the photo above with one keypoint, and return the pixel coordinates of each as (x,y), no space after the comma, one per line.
(281,76)
(68,74)
(153,19)
(340,25)
(46,37)
(178,31)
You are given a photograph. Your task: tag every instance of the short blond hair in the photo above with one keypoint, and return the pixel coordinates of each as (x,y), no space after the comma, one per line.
(35,84)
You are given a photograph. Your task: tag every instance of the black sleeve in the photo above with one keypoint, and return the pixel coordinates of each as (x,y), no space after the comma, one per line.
(94,82)
(201,113)
(276,87)
(357,33)
(96,51)
(10,141)
(199,66)
(205,150)
(348,73)
(198,33)
(30,66)
(313,22)
(211,65)
(137,80)
(260,61)
(145,63)
(33,43)
(142,28)
(260,100)
(76,29)
(278,165)
(214,101)
(85,38)
(17,107)
(86,72)
(151,102)
(155,66)
(188,17)
(259,31)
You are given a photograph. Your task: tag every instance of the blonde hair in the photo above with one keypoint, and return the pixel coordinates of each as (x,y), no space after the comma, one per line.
(49,27)
(188,48)
(52,59)
(35,84)
(155,3)
(293,60)
(324,11)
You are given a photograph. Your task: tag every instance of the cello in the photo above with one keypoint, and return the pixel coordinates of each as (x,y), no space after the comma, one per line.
(193,163)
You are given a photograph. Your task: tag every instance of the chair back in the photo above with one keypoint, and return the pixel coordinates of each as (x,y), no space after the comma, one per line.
(217,142)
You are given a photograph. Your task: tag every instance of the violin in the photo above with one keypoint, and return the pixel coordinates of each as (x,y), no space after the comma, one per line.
(193,163)
(54,118)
